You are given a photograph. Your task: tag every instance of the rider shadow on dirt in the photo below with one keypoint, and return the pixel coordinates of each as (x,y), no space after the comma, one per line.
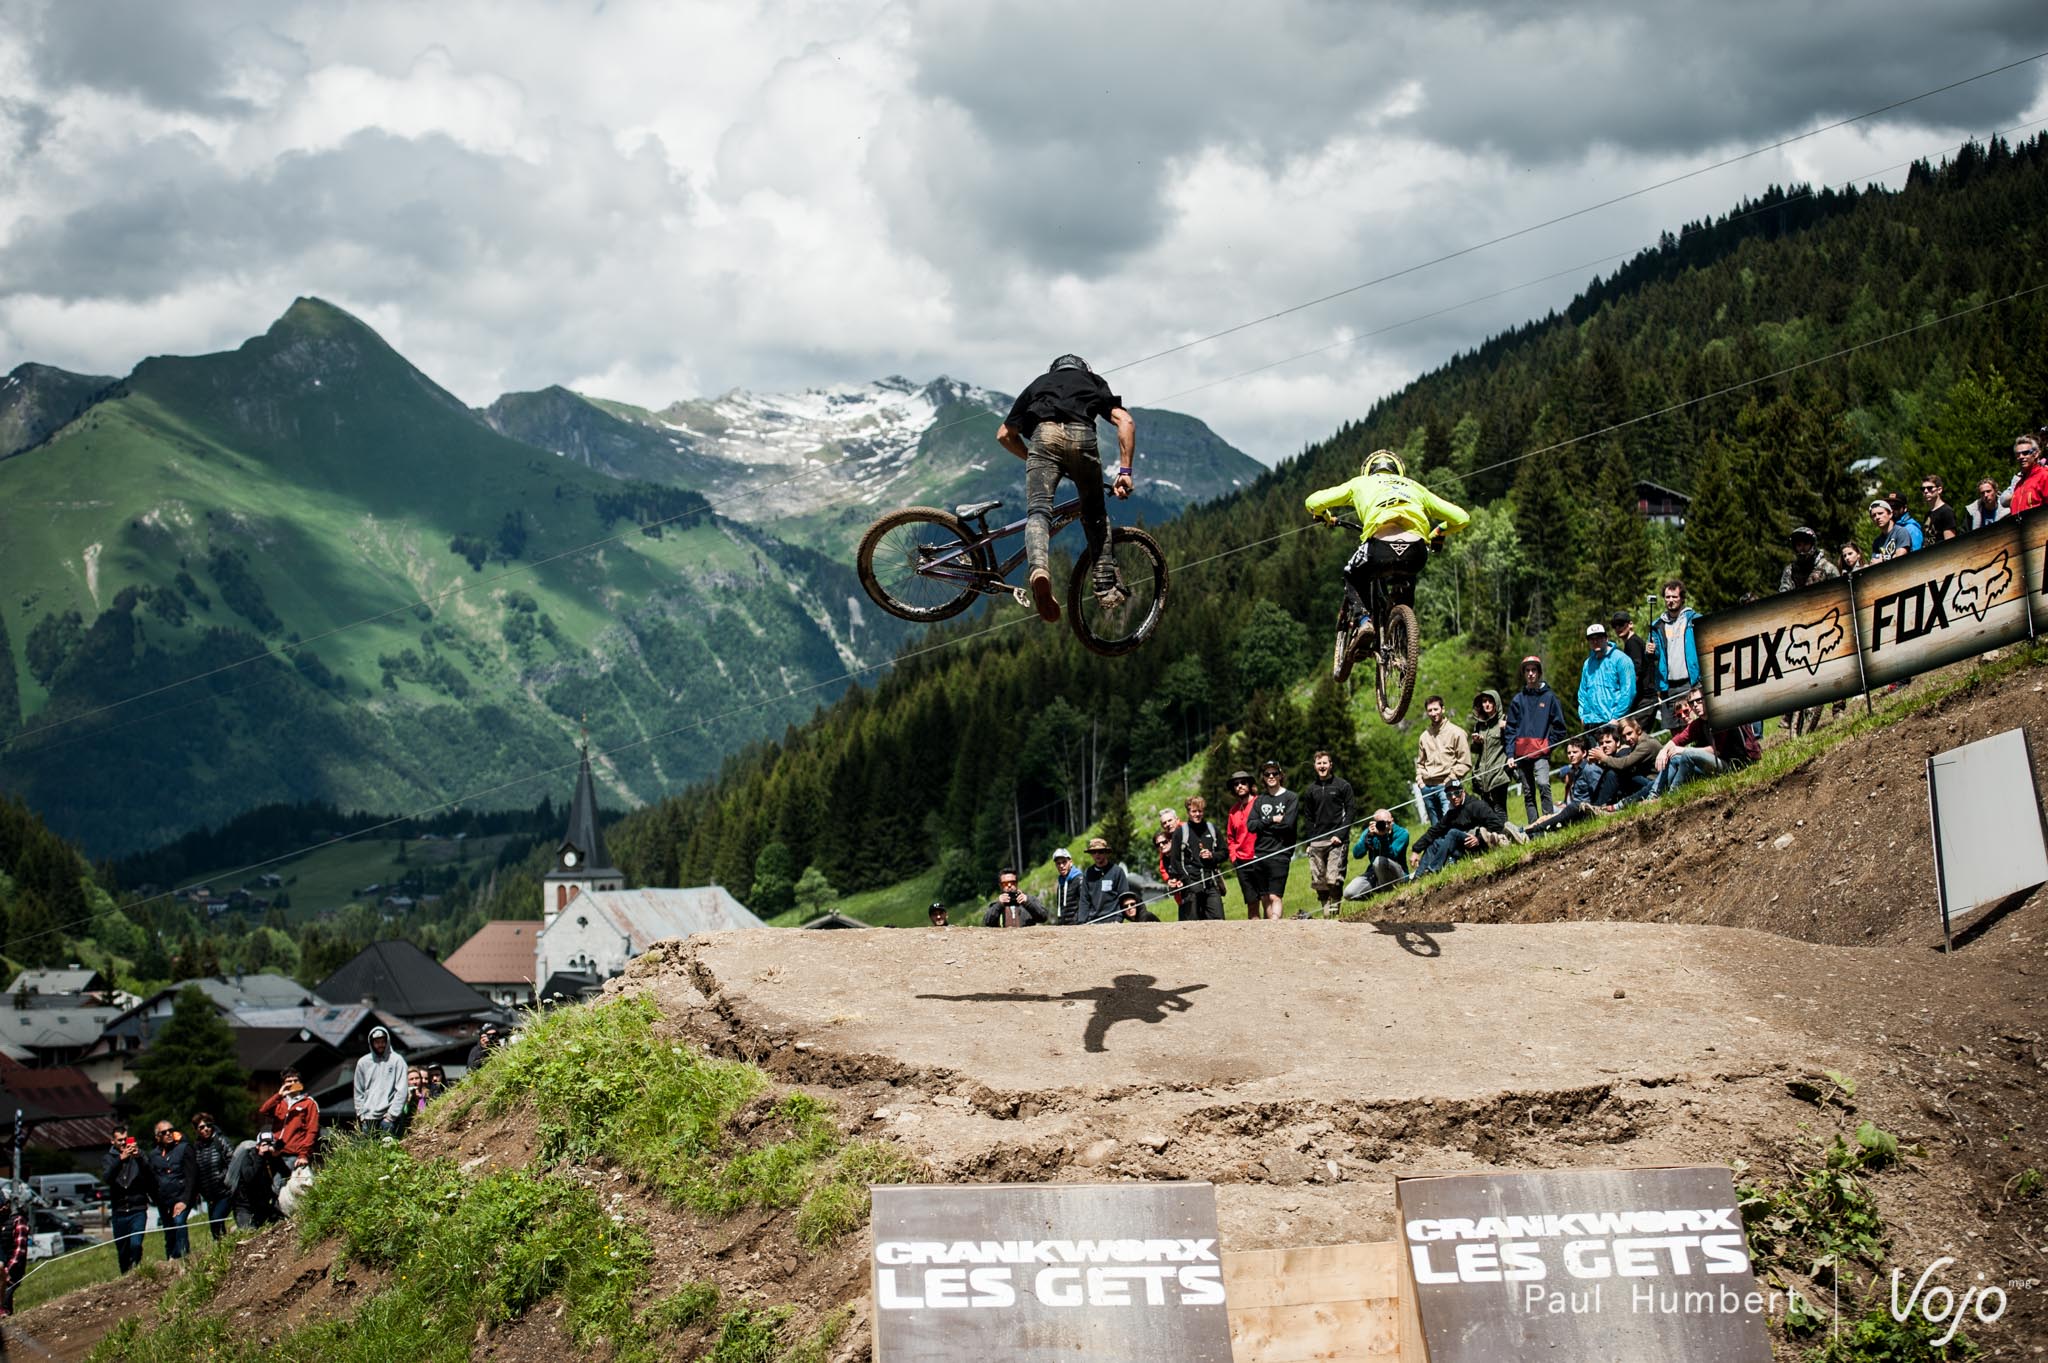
(1417,939)
(1127,998)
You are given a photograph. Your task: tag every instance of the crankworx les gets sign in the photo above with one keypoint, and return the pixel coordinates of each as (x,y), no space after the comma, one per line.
(1574,1266)
(1038,1272)
(1902,617)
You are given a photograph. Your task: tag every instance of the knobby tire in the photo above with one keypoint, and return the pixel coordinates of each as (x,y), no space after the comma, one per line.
(1144,565)
(950,530)
(1400,646)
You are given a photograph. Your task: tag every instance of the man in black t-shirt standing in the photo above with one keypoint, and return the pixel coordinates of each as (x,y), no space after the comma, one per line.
(1273,819)
(1051,427)
(1941,517)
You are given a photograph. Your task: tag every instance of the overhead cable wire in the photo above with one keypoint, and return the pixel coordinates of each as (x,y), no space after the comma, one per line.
(1022,618)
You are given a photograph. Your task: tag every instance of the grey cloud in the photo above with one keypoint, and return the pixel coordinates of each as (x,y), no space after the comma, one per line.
(171,55)
(1068,96)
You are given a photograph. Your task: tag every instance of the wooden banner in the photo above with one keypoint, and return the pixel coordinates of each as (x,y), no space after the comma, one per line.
(1780,654)
(1048,1273)
(1573,1266)
(1948,602)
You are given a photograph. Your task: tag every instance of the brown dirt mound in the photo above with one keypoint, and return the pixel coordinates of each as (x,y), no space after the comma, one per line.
(1858,868)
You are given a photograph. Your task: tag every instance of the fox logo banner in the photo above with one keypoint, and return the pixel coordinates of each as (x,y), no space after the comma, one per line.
(1782,653)
(1582,1264)
(1948,602)
(1043,1273)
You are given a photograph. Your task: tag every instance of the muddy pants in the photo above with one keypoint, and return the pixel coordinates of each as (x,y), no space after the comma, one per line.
(1069,450)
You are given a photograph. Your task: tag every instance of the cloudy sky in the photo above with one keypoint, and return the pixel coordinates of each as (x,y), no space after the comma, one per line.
(666,199)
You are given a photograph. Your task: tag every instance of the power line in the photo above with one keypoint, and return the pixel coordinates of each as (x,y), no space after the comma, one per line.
(1567,217)
(1021,618)
(466,585)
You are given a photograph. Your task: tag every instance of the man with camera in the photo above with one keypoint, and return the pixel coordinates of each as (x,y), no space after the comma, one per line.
(130,1190)
(1011,908)
(297,1117)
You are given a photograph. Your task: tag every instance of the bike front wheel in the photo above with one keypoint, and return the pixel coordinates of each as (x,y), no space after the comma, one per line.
(1115,622)
(1399,649)
(898,553)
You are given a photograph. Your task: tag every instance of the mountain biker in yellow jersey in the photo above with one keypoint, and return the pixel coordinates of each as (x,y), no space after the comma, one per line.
(1399,519)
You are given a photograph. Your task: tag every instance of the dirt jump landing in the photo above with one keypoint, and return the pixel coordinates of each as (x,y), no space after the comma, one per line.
(1287,1011)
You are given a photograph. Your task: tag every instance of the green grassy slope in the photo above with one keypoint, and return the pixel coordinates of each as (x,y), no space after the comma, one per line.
(215,506)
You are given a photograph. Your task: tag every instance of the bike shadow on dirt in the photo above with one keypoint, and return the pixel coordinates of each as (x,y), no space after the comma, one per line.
(1127,998)
(1417,939)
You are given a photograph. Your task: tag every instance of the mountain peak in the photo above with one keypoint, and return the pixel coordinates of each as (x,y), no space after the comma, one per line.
(317,318)
(37,399)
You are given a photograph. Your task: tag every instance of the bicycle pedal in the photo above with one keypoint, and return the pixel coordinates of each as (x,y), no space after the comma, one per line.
(1023,596)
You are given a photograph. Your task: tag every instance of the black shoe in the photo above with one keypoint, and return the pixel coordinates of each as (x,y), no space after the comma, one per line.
(1041,596)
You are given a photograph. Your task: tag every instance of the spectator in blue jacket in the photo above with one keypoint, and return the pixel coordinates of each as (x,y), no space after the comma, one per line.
(1677,652)
(1535,725)
(1607,683)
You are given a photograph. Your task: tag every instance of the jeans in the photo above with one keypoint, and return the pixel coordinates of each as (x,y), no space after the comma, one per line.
(1444,851)
(177,1239)
(1434,803)
(1534,774)
(128,1228)
(220,1213)
(1687,764)
(1062,450)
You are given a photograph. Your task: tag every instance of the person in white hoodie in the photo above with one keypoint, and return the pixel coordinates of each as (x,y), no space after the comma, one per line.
(380,1086)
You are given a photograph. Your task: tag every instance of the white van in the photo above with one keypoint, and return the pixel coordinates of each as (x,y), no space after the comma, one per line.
(78,1189)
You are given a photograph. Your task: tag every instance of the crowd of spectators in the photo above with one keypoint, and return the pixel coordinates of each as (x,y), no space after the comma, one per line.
(1635,731)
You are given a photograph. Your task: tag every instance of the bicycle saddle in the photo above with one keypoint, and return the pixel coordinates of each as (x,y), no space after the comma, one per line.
(973,509)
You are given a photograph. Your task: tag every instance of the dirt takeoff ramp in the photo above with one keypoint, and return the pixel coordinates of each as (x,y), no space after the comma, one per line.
(1296,1064)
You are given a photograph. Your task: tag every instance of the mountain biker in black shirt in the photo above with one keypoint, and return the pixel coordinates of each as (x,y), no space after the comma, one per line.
(1051,427)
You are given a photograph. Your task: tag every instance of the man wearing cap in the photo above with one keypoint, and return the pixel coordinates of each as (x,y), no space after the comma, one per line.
(1066,887)
(1461,831)
(937,915)
(1621,632)
(1809,565)
(1607,684)
(1443,753)
(1101,884)
(1012,907)
(1275,814)
(1535,726)
(1130,908)
(1243,843)
(1672,643)
(380,1085)
(1051,427)
(1197,856)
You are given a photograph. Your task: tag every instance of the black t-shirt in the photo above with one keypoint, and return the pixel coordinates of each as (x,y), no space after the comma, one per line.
(1063,395)
(1941,523)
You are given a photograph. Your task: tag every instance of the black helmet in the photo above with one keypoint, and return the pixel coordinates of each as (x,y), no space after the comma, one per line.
(1068,362)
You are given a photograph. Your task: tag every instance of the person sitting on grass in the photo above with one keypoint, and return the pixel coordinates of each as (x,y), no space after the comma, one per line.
(1467,827)
(1581,783)
(1131,909)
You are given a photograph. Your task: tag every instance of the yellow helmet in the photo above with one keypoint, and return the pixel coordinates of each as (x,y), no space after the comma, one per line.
(1384,461)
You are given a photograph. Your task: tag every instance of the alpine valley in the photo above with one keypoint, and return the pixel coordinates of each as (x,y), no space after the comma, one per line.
(301,570)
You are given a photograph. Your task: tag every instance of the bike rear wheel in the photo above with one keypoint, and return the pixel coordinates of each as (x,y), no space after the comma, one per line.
(1400,646)
(899,546)
(1113,627)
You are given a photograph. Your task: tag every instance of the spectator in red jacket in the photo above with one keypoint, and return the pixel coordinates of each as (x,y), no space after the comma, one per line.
(2032,489)
(297,1117)
(14,1240)
(1243,843)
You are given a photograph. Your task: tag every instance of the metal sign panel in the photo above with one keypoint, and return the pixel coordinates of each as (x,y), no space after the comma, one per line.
(1779,654)
(1986,810)
(1583,1266)
(1948,602)
(2032,529)
(1048,1273)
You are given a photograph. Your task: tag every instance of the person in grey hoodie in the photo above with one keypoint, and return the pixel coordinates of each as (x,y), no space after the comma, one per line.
(380,1086)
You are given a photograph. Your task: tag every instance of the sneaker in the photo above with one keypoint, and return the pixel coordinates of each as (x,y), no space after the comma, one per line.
(1363,636)
(1041,596)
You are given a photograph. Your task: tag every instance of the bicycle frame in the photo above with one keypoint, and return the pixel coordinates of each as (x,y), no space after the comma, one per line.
(957,564)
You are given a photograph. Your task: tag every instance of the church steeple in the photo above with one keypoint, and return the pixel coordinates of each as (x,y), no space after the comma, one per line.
(581,862)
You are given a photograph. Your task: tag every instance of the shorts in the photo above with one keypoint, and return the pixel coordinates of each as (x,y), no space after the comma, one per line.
(1267,875)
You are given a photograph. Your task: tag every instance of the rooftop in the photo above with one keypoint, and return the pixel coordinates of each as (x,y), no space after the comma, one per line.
(646,916)
(500,952)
